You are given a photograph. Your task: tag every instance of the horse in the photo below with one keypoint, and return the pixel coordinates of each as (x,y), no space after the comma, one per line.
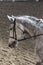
(34,26)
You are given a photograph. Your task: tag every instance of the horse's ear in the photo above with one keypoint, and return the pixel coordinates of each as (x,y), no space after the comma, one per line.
(9,17)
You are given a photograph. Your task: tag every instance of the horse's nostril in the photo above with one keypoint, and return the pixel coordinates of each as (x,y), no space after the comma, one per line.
(12,45)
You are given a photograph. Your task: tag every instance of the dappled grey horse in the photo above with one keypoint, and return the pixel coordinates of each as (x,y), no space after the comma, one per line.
(36,30)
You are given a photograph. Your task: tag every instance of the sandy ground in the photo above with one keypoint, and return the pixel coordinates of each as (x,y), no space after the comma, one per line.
(16,56)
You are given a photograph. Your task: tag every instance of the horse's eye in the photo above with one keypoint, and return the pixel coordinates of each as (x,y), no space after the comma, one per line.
(10,28)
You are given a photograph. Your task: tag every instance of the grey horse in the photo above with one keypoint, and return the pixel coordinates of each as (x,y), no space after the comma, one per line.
(37,25)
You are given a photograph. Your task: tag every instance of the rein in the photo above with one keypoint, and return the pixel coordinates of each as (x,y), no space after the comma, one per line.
(35,36)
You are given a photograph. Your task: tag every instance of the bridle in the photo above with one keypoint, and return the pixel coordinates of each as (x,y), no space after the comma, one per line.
(14,30)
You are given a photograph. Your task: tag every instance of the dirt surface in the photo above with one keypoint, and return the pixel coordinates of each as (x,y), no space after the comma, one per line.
(22,55)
